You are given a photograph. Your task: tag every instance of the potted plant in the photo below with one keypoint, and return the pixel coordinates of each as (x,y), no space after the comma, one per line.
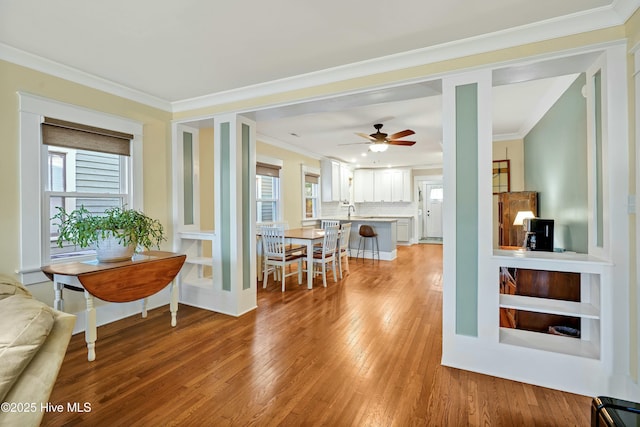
(115,234)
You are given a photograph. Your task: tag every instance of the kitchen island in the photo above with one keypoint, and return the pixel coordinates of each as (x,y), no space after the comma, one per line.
(386,228)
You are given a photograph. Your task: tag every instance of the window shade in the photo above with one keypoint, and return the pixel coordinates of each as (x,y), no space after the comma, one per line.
(267,170)
(311,178)
(81,137)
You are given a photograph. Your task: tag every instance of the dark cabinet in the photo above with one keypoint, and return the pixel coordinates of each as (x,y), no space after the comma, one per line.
(508,206)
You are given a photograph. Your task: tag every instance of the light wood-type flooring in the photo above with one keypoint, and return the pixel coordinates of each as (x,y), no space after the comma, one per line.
(362,352)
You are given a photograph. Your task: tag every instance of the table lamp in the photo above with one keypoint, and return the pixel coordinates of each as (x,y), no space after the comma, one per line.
(522,218)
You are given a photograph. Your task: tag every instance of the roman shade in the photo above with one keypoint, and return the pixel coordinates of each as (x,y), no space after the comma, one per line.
(311,178)
(82,137)
(267,170)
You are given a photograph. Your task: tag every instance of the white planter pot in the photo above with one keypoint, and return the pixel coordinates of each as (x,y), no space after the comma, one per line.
(110,250)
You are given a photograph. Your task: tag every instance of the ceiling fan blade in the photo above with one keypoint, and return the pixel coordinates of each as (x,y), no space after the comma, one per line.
(401,134)
(405,143)
(364,135)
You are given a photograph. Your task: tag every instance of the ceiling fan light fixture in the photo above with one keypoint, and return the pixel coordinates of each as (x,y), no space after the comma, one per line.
(379,148)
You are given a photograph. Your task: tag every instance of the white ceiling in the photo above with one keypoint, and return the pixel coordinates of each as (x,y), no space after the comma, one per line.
(173,52)
(517,107)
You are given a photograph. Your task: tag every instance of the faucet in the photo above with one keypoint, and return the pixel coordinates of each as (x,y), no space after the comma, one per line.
(349,213)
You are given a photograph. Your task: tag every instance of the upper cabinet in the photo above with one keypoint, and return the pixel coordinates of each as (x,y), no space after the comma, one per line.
(337,180)
(382,185)
(363,185)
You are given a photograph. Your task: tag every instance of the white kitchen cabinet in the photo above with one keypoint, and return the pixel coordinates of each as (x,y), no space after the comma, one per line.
(382,185)
(336,181)
(400,185)
(403,232)
(363,185)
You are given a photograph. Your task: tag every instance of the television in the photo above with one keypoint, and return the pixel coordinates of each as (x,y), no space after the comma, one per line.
(540,235)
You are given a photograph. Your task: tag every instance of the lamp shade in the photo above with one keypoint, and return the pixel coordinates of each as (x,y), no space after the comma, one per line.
(521,216)
(379,148)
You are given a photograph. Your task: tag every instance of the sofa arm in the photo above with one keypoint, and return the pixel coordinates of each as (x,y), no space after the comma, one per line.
(37,380)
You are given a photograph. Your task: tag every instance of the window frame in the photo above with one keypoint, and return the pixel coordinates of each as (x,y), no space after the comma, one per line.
(279,211)
(33,157)
(307,170)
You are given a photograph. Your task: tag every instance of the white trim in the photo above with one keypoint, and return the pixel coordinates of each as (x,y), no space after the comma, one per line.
(178,130)
(56,69)
(32,109)
(304,170)
(276,162)
(636,57)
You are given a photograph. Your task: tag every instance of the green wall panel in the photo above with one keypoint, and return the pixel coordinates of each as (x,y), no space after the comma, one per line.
(246,207)
(467,210)
(225,201)
(555,165)
(187,168)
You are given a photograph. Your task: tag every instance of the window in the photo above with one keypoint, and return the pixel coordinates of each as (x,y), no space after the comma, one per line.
(86,167)
(73,172)
(311,195)
(267,192)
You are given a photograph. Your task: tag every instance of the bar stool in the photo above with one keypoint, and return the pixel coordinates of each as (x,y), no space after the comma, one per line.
(367,232)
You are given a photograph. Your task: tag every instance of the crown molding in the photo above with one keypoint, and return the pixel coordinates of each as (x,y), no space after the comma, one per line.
(34,62)
(507,137)
(596,19)
(285,146)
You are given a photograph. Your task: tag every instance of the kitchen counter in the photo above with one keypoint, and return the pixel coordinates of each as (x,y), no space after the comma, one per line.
(363,218)
(385,227)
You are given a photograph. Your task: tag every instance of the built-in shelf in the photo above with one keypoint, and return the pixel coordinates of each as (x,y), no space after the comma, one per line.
(199,260)
(195,272)
(197,235)
(553,261)
(549,342)
(550,306)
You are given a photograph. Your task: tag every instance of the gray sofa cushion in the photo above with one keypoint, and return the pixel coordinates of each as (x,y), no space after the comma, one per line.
(25,324)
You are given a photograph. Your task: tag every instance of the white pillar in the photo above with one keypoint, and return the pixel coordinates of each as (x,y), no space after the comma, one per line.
(234,207)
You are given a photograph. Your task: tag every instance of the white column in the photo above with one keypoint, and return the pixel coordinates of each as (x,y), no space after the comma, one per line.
(234,207)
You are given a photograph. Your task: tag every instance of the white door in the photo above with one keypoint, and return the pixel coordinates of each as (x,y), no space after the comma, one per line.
(432,211)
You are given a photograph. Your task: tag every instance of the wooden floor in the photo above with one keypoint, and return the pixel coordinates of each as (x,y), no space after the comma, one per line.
(362,352)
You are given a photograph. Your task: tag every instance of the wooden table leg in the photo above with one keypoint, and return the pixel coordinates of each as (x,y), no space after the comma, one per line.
(58,301)
(173,304)
(144,307)
(90,332)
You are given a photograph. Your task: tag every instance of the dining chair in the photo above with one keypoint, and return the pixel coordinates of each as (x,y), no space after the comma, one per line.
(276,255)
(322,259)
(328,223)
(343,246)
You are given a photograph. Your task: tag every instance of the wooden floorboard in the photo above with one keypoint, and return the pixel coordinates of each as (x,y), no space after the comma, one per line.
(361,352)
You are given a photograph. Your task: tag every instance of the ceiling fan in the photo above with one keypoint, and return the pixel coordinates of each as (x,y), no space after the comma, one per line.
(380,141)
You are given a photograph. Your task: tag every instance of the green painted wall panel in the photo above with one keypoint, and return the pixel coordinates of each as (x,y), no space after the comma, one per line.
(246,207)
(187,167)
(225,201)
(467,210)
(555,165)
